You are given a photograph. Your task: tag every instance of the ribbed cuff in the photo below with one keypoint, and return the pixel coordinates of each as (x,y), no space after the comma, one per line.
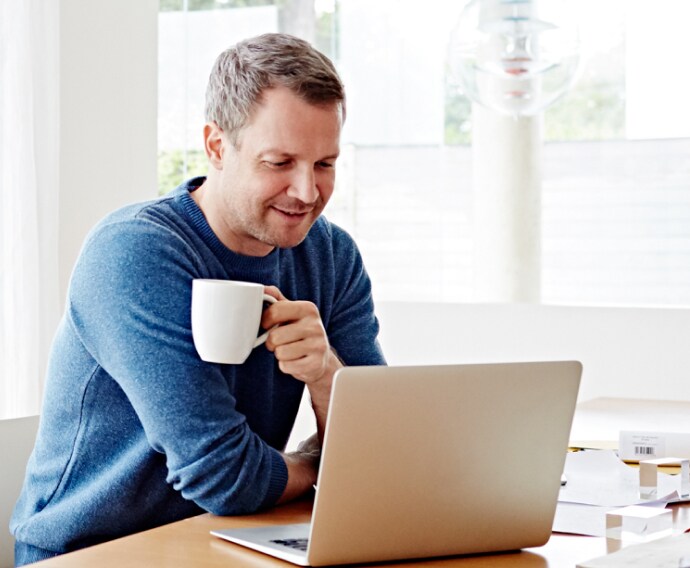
(28,554)
(278,481)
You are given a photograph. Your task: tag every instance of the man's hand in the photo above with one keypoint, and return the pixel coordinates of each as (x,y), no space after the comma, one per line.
(301,346)
(299,343)
(303,467)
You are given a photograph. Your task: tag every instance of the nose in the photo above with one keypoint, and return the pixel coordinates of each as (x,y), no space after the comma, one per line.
(303,185)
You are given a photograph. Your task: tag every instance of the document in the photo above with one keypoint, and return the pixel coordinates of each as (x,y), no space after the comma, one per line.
(589,520)
(669,552)
(598,482)
(599,478)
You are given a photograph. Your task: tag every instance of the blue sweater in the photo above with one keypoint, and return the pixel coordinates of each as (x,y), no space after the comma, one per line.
(136,431)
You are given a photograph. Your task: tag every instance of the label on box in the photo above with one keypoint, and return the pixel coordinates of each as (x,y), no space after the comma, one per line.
(637,445)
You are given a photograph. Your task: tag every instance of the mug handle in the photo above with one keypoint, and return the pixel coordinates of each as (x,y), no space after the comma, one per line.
(264,336)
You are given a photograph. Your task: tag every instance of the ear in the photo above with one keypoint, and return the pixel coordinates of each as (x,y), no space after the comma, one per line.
(214,144)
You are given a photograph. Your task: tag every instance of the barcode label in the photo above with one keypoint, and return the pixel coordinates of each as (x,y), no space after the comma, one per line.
(639,446)
(645,450)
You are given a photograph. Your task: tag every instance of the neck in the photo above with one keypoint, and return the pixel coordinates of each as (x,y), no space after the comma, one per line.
(206,196)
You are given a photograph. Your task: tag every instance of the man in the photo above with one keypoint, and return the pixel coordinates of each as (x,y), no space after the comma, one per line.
(136,429)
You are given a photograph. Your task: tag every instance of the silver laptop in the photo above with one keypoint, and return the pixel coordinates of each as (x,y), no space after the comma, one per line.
(433,461)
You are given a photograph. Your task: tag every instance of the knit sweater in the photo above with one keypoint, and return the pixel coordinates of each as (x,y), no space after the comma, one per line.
(136,430)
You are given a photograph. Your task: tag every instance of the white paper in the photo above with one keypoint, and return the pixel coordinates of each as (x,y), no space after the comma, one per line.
(590,520)
(599,478)
(574,518)
(669,552)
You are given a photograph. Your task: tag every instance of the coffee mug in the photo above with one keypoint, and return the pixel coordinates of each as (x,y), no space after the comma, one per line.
(226,317)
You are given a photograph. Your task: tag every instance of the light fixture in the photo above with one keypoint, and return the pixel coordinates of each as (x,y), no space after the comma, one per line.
(515,56)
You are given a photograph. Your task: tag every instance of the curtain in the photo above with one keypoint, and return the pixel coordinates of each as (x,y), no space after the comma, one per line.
(29,111)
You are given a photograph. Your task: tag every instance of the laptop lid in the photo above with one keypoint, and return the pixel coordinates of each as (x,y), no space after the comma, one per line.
(427,461)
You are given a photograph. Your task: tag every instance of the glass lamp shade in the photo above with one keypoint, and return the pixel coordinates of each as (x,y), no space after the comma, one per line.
(514,56)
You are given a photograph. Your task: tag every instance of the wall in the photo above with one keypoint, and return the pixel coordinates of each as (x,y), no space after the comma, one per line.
(108,114)
(625,352)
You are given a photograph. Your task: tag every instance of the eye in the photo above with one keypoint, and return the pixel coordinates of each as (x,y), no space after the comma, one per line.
(277,165)
(325,164)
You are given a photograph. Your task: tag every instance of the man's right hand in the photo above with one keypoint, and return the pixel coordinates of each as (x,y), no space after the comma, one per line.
(303,468)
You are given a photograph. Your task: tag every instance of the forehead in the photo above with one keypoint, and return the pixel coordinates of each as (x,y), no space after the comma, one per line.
(283,120)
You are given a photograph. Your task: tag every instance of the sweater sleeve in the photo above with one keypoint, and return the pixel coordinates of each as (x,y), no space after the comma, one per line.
(130,301)
(353,327)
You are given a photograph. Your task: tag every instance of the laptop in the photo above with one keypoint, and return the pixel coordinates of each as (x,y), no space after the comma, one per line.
(429,461)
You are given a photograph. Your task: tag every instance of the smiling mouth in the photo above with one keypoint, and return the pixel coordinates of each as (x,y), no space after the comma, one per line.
(294,214)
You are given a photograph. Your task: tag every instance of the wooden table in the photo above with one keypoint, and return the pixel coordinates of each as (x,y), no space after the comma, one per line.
(188,544)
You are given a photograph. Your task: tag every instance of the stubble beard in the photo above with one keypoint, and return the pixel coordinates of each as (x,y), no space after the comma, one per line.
(261,230)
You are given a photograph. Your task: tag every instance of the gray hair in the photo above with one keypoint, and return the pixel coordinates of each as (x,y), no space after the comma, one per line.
(241,74)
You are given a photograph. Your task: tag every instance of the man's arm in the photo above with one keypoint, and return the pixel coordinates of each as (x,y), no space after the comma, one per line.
(129,301)
(301,346)
(303,467)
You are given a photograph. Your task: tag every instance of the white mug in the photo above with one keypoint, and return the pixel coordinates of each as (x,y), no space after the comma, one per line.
(226,317)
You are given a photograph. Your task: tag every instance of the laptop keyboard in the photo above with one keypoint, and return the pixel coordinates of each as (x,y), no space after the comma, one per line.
(296,543)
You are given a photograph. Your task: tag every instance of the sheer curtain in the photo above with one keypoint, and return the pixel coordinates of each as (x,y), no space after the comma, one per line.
(29,112)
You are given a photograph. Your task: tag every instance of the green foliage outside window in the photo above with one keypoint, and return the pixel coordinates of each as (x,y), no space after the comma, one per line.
(592,111)
(458,123)
(594,108)
(171,168)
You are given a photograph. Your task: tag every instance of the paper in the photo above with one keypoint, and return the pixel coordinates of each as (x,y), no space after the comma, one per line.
(600,478)
(669,552)
(638,523)
(650,477)
(597,483)
(589,520)
(574,518)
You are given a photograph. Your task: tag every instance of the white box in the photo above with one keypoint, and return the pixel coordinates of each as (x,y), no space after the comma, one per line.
(636,445)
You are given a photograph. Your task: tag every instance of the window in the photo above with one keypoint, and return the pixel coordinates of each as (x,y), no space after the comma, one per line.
(29,90)
(616,158)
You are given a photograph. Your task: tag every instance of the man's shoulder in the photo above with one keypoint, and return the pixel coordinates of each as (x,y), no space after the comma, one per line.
(327,245)
(323,229)
(142,243)
(162,211)
(155,216)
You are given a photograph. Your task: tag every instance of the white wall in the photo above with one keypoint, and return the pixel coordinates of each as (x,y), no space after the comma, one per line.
(108,114)
(625,352)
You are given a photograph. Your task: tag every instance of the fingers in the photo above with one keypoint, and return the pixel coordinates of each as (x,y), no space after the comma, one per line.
(299,343)
(275,292)
(285,312)
(309,369)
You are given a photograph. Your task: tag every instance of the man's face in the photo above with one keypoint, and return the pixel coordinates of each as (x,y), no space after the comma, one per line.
(277,179)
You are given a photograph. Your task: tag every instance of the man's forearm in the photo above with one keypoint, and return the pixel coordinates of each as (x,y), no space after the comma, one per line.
(303,468)
(320,394)
(303,465)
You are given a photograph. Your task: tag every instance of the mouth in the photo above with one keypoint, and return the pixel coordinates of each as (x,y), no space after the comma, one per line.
(293,214)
